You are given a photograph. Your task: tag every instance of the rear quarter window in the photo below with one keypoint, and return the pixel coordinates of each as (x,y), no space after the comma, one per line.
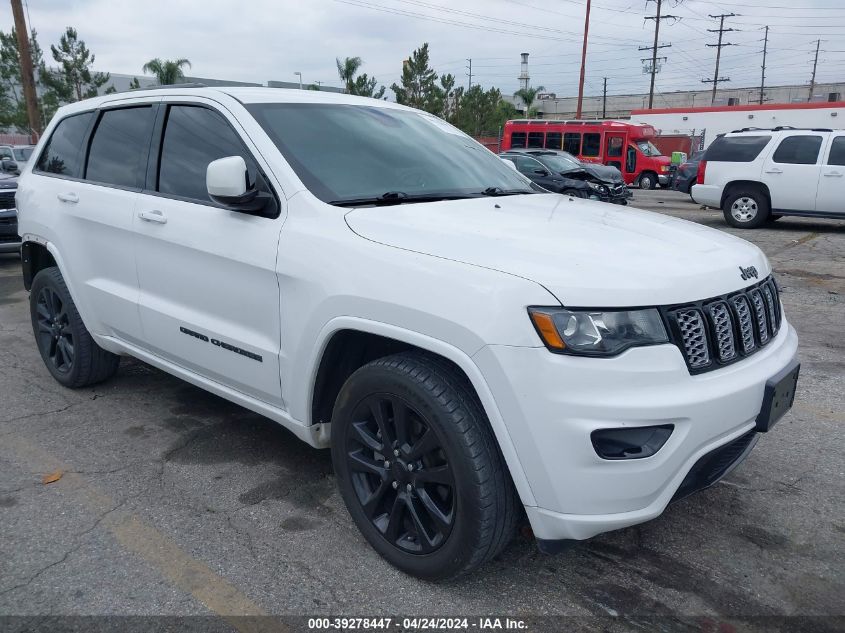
(63,153)
(736,149)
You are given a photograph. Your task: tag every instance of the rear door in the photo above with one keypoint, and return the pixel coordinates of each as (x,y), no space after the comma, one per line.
(89,174)
(209,295)
(614,150)
(791,171)
(831,194)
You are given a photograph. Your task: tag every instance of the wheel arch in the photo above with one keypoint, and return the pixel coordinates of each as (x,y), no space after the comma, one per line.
(35,257)
(736,184)
(347,343)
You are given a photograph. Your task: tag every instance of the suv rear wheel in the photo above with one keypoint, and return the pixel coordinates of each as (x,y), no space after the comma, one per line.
(418,467)
(68,351)
(746,208)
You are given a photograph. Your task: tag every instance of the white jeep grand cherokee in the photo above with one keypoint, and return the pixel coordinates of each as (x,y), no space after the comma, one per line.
(377,282)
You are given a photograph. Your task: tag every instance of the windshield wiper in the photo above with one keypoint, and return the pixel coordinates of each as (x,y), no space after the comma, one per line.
(398,197)
(498,191)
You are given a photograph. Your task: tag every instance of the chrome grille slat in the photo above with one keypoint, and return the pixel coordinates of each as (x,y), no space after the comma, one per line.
(694,338)
(721,330)
(746,325)
(760,316)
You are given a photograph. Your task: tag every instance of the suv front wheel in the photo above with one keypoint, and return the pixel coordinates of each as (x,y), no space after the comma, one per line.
(419,468)
(746,208)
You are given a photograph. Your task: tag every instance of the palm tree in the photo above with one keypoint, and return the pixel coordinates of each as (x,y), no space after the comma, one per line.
(527,96)
(167,71)
(347,69)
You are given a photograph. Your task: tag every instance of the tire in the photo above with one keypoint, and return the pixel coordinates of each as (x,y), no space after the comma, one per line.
(648,180)
(430,530)
(746,208)
(774,217)
(66,347)
(574,193)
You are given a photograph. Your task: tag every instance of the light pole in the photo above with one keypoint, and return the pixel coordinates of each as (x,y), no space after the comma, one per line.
(300,78)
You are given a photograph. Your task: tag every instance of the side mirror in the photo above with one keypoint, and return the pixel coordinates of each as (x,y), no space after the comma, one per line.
(541,172)
(227,182)
(7,164)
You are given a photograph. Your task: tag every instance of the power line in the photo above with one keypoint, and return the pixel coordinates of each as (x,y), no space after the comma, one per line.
(721,30)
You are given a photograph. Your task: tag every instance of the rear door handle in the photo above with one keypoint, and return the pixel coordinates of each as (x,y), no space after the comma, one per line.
(833,174)
(153,216)
(774,171)
(68,197)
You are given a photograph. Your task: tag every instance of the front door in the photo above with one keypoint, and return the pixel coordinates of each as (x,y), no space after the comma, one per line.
(209,297)
(791,172)
(614,150)
(831,195)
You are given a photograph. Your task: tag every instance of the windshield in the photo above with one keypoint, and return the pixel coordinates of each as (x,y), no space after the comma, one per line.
(559,162)
(22,153)
(648,148)
(351,152)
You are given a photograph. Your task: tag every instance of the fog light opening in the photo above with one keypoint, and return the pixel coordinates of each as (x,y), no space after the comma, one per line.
(630,442)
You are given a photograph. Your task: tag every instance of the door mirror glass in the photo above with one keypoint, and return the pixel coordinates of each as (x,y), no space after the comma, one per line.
(227,181)
(541,172)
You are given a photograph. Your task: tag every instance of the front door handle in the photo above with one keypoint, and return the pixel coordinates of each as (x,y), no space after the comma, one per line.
(153,216)
(833,174)
(774,171)
(68,197)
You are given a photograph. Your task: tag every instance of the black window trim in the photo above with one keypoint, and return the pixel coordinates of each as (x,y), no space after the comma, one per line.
(154,157)
(833,139)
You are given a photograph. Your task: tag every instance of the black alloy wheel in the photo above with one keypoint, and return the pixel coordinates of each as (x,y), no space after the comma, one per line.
(400,474)
(54,333)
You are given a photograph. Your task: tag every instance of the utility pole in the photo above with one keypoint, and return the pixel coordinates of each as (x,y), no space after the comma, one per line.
(469,87)
(763,77)
(604,100)
(27,77)
(654,47)
(721,31)
(583,62)
(813,78)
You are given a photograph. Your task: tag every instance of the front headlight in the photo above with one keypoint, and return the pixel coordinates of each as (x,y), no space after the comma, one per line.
(596,186)
(597,332)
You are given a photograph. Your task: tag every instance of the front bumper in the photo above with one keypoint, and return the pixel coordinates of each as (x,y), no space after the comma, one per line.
(663,179)
(552,403)
(10,241)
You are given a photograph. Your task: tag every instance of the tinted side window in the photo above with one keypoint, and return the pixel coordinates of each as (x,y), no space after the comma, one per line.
(572,143)
(837,151)
(194,137)
(553,140)
(736,149)
(518,139)
(118,154)
(63,152)
(592,144)
(798,150)
(527,165)
(535,139)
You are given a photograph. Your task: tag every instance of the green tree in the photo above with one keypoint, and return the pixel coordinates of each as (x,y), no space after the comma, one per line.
(355,84)
(13,112)
(73,79)
(167,71)
(312,87)
(419,87)
(527,96)
(449,97)
(134,84)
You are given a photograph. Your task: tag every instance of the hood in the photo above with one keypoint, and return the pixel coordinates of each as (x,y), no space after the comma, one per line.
(8,181)
(588,254)
(605,173)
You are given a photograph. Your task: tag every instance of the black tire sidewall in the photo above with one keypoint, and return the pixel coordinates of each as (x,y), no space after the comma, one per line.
(453,555)
(763,211)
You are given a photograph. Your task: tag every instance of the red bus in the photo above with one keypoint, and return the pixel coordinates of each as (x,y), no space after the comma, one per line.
(626,146)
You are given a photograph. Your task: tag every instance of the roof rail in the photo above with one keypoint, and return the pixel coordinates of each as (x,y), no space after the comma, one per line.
(162,87)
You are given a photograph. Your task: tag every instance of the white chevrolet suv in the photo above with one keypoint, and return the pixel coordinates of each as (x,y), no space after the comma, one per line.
(756,175)
(382,285)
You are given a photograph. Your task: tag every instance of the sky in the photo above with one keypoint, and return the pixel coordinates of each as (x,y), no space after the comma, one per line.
(260,40)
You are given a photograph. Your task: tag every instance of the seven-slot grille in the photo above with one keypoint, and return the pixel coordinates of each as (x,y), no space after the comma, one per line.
(724,329)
